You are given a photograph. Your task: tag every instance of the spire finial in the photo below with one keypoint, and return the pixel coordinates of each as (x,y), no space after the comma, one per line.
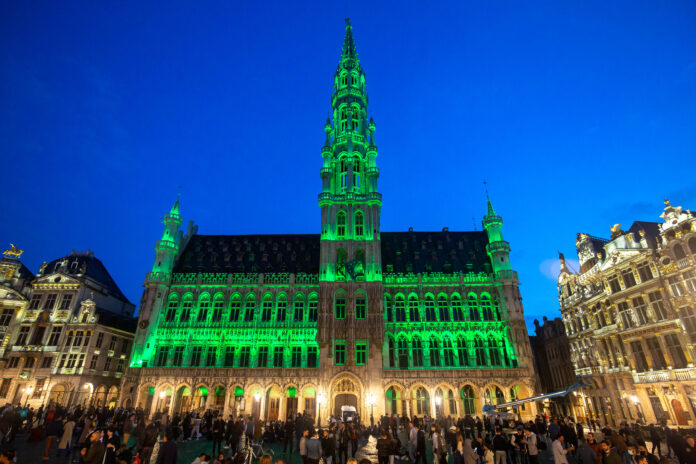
(349,52)
(491,211)
(347,22)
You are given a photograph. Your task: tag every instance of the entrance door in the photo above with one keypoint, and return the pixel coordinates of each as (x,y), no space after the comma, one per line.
(291,408)
(273,408)
(344,399)
(679,413)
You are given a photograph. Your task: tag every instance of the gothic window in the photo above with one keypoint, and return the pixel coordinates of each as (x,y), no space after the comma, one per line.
(429,308)
(344,79)
(473,308)
(249,307)
(278,356)
(235,307)
(343,120)
(679,252)
(402,346)
(434,351)
(298,308)
(267,308)
(443,308)
(457,315)
(469,400)
(417,349)
(493,351)
(196,356)
(356,168)
(676,350)
(172,306)
(359,224)
(413,313)
(692,245)
(355,116)
(422,401)
(391,351)
(343,174)
(340,305)
(339,352)
(203,306)
(245,356)
(399,309)
(281,308)
(388,307)
(228,360)
(480,351)
(312,308)
(341,225)
(360,306)
(312,356)
(296,356)
(218,304)
(462,352)
(639,306)
(262,358)
(486,307)
(186,307)
(447,352)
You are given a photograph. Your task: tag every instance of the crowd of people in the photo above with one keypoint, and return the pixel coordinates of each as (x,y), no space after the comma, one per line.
(128,436)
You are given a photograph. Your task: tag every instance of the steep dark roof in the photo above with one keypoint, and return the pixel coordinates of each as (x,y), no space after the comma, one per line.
(89,266)
(652,229)
(403,251)
(24,272)
(117,321)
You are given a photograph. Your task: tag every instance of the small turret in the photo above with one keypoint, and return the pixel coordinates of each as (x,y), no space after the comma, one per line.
(497,248)
(168,246)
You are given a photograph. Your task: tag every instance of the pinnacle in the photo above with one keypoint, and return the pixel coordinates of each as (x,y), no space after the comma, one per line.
(349,52)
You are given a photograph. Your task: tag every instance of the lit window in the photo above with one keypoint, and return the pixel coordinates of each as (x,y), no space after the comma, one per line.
(359,224)
(341,224)
(361,353)
(360,307)
(217,308)
(429,308)
(281,308)
(340,307)
(267,308)
(339,352)
(413,312)
(296,356)
(312,309)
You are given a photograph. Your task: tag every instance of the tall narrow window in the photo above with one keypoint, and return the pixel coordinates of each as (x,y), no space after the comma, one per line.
(641,362)
(457,315)
(281,308)
(229,356)
(178,356)
(249,308)
(443,308)
(486,308)
(402,348)
(657,306)
(676,350)
(462,352)
(413,312)
(65,302)
(474,314)
(388,307)
(625,314)
(341,225)
(469,400)
(417,349)
(493,352)
(360,306)
(203,306)
(186,307)
(267,308)
(196,356)
(399,309)
(262,359)
(356,164)
(296,356)
(312,356)
(210,357)
(447,352)
(656,353)
(312,309)
(217,308)
(278,355)
(359,224)
(339,352)
(360,353)
(434,352)
(340,306)
(245,356)
(298,308)
(235,308)
(429,308)
(480,351)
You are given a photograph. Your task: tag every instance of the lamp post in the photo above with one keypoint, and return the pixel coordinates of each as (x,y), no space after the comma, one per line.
(29,391)
(257,404)
(159,402)
(371,402)
(639,408)
(438,402)
(321,398)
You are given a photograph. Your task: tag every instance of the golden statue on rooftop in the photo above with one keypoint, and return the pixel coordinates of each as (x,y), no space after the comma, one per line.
(13,252)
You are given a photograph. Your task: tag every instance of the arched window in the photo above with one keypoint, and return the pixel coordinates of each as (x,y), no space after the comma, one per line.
(344,79)
(495,308)
(343,120)
(235,307)
(218,304)
(340,305)
(493,351)
(402,345)
(360,305)
(479,351)
(267,308)
(341,224)
(357,165)
(391,351)
(468,400)
(422,401)
(399,308)
(186,307)
(429,308)
(341,258)
(473,308)
(442,308)
(447,352)
(499,397)
(356,119)
(298,308)
(439,403)
(494,396)
(457,315)
(312,308)
(417,350)
(434,351)
(172,306)
(486,307)
(249,307)
(679,252)
(282,308)
(462,352)
(514,394)
(388,307)
(452,403)
(413,312)
(203,306)
(692,245)
(359,224)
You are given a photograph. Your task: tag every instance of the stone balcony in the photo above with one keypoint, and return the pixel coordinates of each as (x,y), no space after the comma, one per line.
(665,375)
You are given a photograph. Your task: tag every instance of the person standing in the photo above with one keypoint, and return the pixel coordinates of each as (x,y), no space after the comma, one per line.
(531,446)
(168,451)
(302,445)
(54,429)
(439,447)
(420,447)
(218,434)
(585,454)
(412,441)
(95,453)
(128,426)
(383,447)
(500,447)
(559,451)
(66,438)
(314,450)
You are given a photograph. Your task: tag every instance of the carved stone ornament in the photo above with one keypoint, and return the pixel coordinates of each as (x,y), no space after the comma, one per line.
(143,324)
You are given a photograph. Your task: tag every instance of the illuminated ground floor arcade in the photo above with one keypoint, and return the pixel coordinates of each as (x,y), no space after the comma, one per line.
(323,394)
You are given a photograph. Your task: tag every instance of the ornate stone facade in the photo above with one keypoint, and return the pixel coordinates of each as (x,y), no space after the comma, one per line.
(630,317)
(66,332)
(352,318)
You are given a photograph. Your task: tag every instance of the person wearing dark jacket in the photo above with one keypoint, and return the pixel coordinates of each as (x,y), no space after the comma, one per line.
(95,453)
(585,454)
(149,439)
(500,447)
(328,446)
(168,452)
(609,455)
(54,429)
(218,434)
(420,447)
(384,447)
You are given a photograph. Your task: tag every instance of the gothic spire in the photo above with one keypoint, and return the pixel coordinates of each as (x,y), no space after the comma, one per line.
(348,54)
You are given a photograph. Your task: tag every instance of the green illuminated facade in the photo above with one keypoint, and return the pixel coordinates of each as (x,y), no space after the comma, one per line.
(416,322)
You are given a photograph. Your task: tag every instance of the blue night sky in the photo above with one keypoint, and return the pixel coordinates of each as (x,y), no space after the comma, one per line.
(578,114)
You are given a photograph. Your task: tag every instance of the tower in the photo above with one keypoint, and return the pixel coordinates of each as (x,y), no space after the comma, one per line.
(168,246)
(497,248)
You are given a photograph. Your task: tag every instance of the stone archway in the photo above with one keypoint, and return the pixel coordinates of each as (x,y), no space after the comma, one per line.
(345,394)
(58,395)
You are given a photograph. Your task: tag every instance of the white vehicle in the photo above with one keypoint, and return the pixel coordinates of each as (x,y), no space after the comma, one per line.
(347,413)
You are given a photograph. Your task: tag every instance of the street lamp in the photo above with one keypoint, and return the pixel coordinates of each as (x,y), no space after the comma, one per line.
(371,402)
(321,399)
(438,402)
(29,391)
(257,404)
(638,406)
(161,397)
